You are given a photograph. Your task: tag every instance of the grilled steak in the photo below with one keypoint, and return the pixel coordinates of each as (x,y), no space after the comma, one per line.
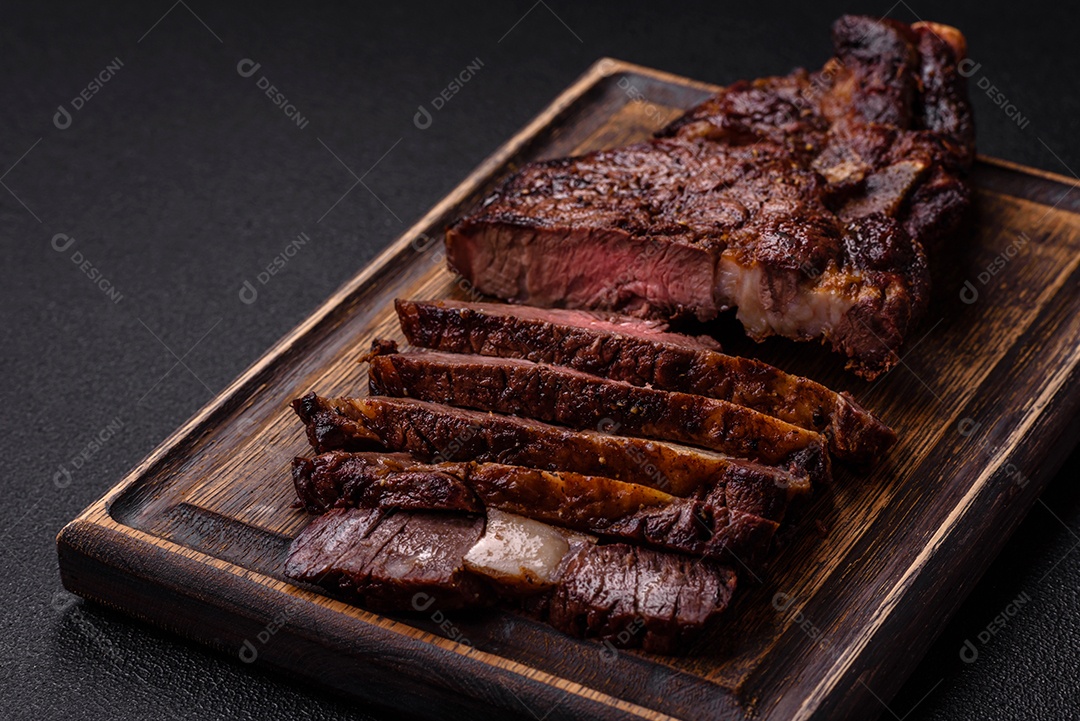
(638,597)
(381,480)
(407,562)
(639,352)
(383,561)
(806,202)
(435,433)
(889,123)
(591,504)
(568,397)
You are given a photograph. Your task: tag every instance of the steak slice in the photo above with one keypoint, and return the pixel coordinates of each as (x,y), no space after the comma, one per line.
(638,352)
(436,433)
(590,504)
(406,562)
(390,561)
(499,325)
(637,597)
(378,480)
(806,202)
(337,479)
(571,398)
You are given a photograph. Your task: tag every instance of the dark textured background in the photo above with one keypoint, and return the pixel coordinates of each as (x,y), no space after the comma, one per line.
(179,180)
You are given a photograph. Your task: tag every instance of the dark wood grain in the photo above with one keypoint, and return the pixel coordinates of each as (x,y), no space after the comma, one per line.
(984,401)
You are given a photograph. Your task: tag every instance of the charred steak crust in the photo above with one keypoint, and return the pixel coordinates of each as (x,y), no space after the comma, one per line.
(635,351)
(403,562)
(568,397)
(590,504)
(360,480)
(434,433)
(329,429)
(807,202)
(638,597)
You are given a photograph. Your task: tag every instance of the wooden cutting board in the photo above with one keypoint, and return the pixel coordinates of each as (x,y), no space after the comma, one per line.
(985,402)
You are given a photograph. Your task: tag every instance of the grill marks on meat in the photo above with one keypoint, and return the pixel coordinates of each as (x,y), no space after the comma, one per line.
(634,351)
(430,320)
(742,229)
(638,597)
(806,202)
(601,506)
(628,596)
(434,433)
(380,480)
(382,561)
(568,397)
(594,469)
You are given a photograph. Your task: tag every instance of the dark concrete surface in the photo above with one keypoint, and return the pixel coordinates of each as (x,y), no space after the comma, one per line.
(178,180)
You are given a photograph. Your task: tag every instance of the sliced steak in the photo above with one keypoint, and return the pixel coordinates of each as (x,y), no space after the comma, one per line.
(630,350)
(359,480)
(568,397)
(637,597)
(436,433)
(497,326)
(375,479)
(805,202)
(385,561)
(407,562)
(591,504)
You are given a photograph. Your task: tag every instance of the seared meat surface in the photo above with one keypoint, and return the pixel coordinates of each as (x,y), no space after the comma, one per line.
(591,504)
(380,480)
(807,202)
(568,397)
(638,597)
(627,349)
(412,562)
(576,460)
(384,560)
(434,433)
